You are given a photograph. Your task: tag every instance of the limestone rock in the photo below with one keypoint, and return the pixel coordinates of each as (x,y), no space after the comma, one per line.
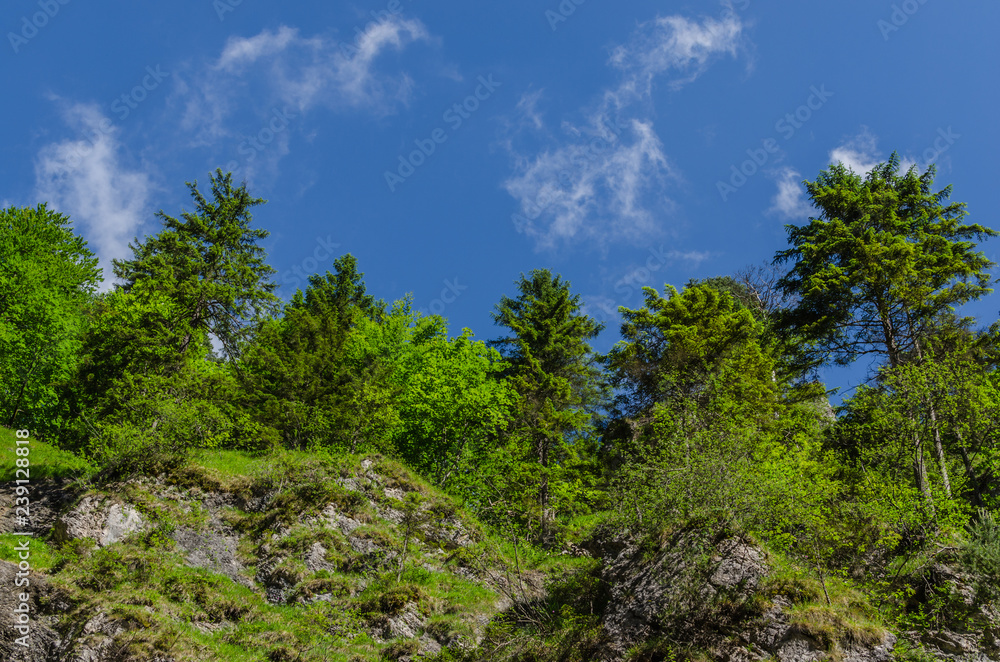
(96,518)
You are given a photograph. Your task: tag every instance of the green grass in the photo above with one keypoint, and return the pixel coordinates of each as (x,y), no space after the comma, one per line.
(42,557)
(850,618)
(187,613)
(45,460)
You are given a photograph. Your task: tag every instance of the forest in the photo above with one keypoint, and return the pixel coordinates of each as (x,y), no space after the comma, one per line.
(708,415)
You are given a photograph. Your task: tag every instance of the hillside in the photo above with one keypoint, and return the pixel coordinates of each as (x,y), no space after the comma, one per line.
(231,558)
(310,557)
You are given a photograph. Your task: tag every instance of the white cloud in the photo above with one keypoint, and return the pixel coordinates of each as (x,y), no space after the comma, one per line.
(859,153)
(790,201)
(677,45)
(86,180)
(527,107)
(241,51)
(603,179)
(594,189)
(302,73)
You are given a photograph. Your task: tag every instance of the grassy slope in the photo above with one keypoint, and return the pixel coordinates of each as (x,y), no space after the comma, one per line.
(193,614)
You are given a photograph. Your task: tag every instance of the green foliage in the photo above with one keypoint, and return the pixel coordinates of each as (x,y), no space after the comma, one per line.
(981,552)
(686,346)
(884,258)
(452,407)
(47,277)
(708,435)
(209,265)
(323,374)
(554,371)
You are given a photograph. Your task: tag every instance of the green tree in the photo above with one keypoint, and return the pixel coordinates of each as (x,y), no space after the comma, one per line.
(674,348)
(875,272)
(696,390)
(453,407)
(47,278)
(320,372)
(210,264)
(883,260)
(135,402)
(553,369)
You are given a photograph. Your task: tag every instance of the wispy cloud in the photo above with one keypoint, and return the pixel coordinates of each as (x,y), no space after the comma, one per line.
(790,201)
(675,47)
(859,153)
(303,73)
(603,179)
(591,189)
(242,51)
(87,180)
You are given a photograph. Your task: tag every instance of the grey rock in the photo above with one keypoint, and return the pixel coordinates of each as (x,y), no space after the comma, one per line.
(120,522)
(316,558)
(212,550)
(47,499)
(405,626)
(340,521)
(95,518)
(44,643)
(674,592)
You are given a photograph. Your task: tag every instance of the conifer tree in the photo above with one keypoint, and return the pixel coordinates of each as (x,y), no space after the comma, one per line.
(553,370)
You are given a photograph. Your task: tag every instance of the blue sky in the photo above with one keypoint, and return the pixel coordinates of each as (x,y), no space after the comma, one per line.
(451,146)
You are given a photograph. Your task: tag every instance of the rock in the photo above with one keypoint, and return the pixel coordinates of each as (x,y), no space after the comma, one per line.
(428,647)
(740,566)
(44,642)
(394,493)
(316,558)
(340,521)
(674,586)
(48,497)
(800,648)
(98,520)
(675,594)
(212,550)
(405,626)
(121,521)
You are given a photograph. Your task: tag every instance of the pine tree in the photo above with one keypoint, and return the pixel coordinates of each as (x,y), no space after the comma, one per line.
(210,264)
(553,370)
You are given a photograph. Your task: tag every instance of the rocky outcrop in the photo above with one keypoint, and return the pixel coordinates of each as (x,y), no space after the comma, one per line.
(970,605)
(37,640)
(100,519)
(705,594)
(48,499)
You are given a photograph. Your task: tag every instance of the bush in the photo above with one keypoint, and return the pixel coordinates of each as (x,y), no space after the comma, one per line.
(981,553)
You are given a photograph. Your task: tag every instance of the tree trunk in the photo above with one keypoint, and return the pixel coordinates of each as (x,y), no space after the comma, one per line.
(543,486)
(939,449)
(969,471)
(920,470)
(20,394)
